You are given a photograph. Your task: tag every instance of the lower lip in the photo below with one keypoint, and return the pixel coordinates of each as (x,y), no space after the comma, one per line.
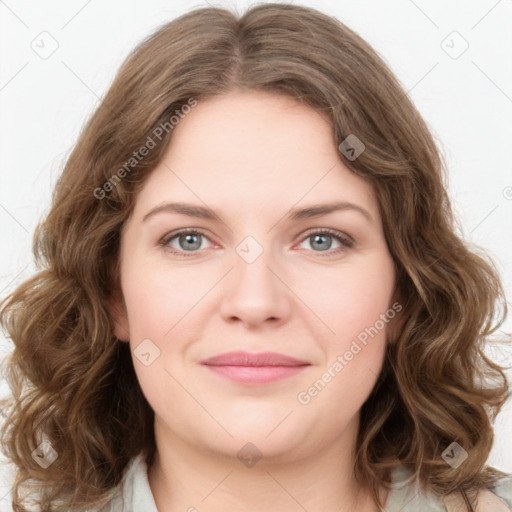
(256,374)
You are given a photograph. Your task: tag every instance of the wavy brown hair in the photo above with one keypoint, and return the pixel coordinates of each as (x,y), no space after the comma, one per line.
(72,380)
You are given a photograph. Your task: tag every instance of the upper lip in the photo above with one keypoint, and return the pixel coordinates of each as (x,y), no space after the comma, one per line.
(253,359)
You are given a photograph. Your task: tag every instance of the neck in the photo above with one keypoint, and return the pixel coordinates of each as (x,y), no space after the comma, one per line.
(185,477)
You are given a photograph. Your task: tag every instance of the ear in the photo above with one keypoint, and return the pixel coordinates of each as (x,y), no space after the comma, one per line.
(119,316)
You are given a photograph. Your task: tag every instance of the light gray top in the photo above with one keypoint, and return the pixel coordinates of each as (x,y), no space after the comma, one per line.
(403,497)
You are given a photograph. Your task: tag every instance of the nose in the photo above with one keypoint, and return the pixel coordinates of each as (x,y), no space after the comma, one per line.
(254,292)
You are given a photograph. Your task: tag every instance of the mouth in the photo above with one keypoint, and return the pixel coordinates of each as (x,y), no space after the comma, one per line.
(255,368)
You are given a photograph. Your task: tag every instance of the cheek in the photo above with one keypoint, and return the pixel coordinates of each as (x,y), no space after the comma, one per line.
(157,296)
(359,312)
(351,298)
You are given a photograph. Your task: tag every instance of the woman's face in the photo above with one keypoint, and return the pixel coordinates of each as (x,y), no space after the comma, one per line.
(255,176)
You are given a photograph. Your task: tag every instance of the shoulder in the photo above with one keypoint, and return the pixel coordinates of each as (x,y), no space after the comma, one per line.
(503,489)
(498,499)
(133,492)
(406,496)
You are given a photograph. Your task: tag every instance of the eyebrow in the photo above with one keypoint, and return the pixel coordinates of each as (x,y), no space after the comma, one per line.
(308,212)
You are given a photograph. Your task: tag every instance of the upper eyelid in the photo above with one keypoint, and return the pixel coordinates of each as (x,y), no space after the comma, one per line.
(173,234)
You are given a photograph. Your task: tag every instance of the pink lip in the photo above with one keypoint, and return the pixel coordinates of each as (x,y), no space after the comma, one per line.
(257,368)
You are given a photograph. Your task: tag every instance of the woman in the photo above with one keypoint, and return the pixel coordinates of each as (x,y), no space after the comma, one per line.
(252,295)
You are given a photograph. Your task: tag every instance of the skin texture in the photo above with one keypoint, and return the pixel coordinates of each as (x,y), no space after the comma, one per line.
(252,157)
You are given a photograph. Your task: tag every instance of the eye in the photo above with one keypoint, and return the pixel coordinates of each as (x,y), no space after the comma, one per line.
(189,242)
(321,240)
(185,241)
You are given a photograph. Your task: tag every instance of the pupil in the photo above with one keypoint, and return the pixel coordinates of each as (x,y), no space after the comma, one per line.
(192,240)
(189,239)
(318,239)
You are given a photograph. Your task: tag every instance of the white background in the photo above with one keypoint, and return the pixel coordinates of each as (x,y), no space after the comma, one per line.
(466,101)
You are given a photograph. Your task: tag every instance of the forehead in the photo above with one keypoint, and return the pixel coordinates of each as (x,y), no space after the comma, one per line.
(253,149)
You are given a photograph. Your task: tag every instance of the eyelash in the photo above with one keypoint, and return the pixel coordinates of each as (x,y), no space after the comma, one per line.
(345,241)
